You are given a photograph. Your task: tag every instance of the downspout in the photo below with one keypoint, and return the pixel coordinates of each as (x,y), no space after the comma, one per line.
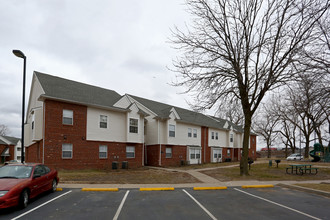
(143,144)
(204,144)
(43,133)
(160,147)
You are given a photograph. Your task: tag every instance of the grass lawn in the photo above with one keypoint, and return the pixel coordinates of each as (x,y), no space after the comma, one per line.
(130,176)
(262,172)
(321,186)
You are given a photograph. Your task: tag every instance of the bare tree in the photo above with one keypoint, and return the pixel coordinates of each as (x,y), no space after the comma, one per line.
(241,49)
(265,125)
(231,111)
(3,130)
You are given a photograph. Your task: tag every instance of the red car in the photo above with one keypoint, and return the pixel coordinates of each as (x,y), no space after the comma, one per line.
(21,182)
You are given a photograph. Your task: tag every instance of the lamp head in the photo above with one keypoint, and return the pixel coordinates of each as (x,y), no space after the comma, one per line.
(19,53)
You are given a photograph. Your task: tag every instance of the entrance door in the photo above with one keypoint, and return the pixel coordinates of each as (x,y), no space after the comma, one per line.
(217,155)
(194,155)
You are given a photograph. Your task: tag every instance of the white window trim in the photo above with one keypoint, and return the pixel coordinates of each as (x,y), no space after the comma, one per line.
(106,151)
(166,152)
(67,151)
(127,151)
(106,122)
(137,126)
(189,133)
(64,116)
(169,130)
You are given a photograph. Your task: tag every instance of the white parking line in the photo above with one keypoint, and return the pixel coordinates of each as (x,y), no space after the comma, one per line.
(275,203)
(31,210)
(207,212)
(120,206)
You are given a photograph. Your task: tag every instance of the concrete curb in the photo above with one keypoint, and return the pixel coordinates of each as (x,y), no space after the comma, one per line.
(257,186)
(100,189)
(158,189)
(210,188)
(305,189)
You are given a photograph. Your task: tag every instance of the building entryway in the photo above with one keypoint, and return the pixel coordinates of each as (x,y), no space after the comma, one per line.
(216,155)
(194,155)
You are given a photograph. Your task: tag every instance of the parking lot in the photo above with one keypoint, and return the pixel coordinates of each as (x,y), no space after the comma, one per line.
(232,203)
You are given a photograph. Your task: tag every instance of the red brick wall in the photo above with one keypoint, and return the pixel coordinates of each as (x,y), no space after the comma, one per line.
(11,152)
(33,153)
(152,155)
(179,153)
(253,147)
(206,151)
(85,154)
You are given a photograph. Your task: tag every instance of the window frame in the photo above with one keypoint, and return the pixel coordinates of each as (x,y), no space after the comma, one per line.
(129,150)
(106,151)
(171,132)
(103,124)
(212,135)
(216,136)
(64,116)
(231,139)
(70,150)
(189,133)
(134,128)
(168,154)
(195,133)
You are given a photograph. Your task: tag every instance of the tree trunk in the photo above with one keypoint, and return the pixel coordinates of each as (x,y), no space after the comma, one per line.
(244,169)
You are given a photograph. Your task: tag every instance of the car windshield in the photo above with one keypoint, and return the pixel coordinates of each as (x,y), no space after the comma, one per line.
(16,172)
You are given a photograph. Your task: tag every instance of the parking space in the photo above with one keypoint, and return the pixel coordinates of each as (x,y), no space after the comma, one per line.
(233,203)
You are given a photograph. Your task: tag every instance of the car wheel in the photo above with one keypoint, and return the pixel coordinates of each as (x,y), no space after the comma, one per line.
(24,199)
(54,185)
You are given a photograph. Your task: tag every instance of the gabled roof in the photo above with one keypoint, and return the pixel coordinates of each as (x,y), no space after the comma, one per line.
(68,90)
(9,140)
(186,116)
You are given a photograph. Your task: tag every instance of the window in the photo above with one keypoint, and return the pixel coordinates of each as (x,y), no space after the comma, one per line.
(195,153)
(189,132)
(133,125)
(67,117)
(103,121)
(66,151)
(228,152)
(103,151)
(168,152)
(231,138)
(216,136)
(195,133)
(212,136)
(171,130)
(39,171)
(130,152)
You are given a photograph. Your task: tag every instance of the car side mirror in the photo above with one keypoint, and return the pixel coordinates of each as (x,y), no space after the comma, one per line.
(37,175)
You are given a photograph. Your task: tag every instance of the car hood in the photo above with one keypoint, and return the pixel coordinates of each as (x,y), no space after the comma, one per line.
(8,183)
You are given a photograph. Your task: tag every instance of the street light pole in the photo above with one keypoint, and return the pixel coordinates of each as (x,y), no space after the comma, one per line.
(20,54)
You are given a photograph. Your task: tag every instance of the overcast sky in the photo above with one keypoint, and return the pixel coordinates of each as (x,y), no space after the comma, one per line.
(118,45)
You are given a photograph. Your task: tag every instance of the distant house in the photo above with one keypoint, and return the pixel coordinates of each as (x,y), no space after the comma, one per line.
(271,149)
(10,148)
(75,125)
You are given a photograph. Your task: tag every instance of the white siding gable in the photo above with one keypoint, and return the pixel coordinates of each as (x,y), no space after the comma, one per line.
(133,114)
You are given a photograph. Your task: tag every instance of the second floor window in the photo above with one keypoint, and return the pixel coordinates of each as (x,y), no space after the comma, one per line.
(231,138)
(67,117)
(216,136)
(212,135)
(189,132)
(133,125)
(171,129)
(103,121)
(195,133)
